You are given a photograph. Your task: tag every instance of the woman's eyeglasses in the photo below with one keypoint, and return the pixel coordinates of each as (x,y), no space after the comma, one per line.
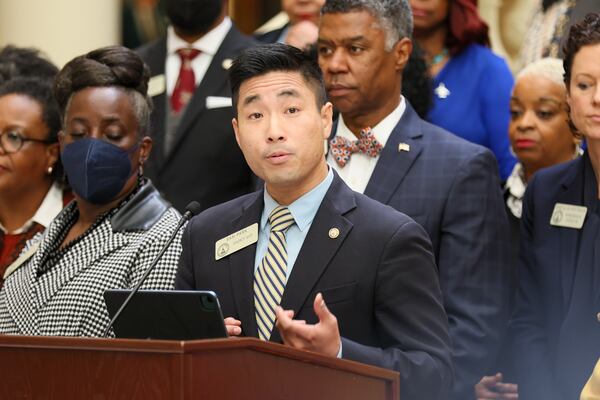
(11,141)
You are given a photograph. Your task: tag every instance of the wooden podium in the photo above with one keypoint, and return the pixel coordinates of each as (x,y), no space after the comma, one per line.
(240,369)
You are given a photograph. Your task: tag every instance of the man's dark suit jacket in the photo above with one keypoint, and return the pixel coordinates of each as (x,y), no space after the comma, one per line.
(205,163)
(451,188)
(556,329)
(378,277)
(271,36)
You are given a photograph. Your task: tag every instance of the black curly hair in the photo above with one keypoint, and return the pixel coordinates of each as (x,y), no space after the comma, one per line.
(24,62)
(416,83)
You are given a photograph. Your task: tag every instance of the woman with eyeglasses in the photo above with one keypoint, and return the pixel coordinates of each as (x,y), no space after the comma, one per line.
(31,190)
(118,223)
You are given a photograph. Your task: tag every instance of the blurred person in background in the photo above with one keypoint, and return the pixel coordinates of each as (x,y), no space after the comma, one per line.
(556,329)
(26,63)
(195,156)
(539,132)
(301,29)
(32,190)
(507,22)
(471,84)
(118,223)
(548,26)
(540,137)
(31,186)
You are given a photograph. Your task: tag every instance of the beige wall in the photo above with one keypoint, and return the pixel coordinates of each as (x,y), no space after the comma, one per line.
(62,29)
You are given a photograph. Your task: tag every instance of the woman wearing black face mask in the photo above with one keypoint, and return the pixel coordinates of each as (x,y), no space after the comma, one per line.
(118,222)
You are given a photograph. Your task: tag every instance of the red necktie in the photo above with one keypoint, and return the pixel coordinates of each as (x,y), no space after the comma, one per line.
(186,82)
(342,148)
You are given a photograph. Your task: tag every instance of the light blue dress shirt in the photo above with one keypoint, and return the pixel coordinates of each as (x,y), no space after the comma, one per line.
(303,210)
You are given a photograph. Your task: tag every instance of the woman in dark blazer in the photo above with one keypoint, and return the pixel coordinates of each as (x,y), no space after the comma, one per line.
(118,222)
(557,323)
(540,137)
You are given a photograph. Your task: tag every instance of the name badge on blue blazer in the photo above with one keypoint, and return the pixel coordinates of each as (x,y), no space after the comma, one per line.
(568,216)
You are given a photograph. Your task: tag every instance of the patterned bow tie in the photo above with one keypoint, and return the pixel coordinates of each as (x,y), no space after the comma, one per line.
(342,148)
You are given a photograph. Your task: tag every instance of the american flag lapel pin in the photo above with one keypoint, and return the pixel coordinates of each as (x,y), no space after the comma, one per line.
(403,147)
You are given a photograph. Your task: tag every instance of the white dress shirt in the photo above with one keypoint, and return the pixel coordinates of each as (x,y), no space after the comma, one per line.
(50,207)
(358,170)
(208,46)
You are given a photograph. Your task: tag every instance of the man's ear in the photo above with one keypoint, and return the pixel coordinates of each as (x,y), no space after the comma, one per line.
(327,118)
(402,51)
(236,128)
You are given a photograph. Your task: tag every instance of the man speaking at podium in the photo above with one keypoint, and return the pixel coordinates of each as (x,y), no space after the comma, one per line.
(306,261)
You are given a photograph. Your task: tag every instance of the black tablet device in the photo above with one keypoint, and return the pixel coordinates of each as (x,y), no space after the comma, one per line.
(166,314)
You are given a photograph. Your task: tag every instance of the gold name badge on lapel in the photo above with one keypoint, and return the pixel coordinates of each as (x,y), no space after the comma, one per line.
(568,216)
(157,85)
(236,241)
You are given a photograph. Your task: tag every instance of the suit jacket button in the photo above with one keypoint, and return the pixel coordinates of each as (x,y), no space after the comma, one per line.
(598,317)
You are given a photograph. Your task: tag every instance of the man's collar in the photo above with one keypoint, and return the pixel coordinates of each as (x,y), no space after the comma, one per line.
(208,44)
(382,130)
(304,208)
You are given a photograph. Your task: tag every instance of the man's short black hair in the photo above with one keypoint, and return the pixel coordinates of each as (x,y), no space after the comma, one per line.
(260,60)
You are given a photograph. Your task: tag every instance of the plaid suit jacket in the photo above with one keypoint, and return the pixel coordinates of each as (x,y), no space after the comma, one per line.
(451,187)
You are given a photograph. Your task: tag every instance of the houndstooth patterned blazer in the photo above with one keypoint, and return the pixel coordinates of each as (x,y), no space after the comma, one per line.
(67,299)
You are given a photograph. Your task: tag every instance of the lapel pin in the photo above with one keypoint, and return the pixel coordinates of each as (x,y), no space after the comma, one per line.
(334,233)
(227,63)
(403,147)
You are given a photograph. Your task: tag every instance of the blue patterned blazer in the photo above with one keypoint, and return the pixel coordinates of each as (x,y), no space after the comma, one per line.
(451,187)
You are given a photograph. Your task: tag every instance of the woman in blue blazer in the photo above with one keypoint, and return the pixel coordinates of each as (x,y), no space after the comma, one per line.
(557,323)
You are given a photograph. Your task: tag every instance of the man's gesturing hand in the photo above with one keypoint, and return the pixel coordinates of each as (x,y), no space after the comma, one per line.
(323,337)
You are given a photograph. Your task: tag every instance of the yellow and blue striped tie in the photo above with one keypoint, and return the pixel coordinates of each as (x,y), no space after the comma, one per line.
(270,276)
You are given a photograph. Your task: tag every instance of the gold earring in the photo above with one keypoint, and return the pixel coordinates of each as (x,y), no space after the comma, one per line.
(49,170)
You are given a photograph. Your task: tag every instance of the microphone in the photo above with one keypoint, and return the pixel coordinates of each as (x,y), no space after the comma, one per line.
(191,209)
